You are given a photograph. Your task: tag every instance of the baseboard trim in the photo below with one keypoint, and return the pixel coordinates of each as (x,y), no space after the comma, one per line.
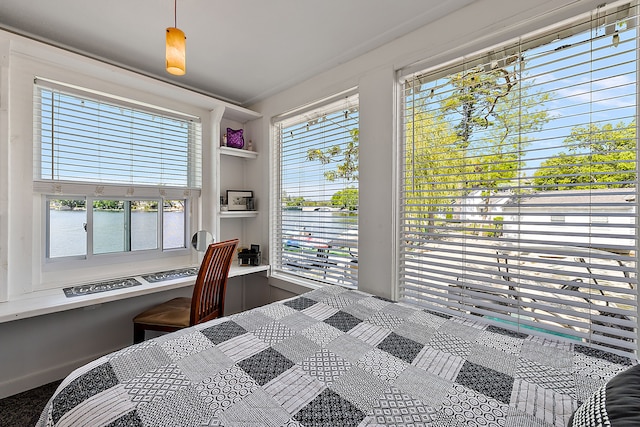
(45,376)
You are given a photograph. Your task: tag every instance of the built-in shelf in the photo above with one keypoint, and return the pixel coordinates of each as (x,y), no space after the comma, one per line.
(237,152)
(238,214)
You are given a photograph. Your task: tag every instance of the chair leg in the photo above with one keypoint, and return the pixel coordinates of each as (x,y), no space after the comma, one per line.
(138,333)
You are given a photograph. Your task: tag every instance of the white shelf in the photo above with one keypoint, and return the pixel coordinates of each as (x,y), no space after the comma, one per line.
(238,214)
(237,152)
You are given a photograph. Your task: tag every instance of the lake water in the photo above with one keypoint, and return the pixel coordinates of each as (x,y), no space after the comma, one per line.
(69,238)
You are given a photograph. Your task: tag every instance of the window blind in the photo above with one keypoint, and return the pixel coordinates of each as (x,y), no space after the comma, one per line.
(85,137)
(518,192)
(315,216)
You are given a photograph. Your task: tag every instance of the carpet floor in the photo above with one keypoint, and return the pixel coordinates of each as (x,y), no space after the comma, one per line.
(23,409)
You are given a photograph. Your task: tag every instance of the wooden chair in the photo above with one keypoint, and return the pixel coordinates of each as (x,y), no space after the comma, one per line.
(206,303)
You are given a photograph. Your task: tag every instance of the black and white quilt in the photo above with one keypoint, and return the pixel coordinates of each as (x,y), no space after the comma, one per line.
(335,357)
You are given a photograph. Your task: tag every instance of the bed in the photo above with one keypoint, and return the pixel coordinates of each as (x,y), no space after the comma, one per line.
(339,357)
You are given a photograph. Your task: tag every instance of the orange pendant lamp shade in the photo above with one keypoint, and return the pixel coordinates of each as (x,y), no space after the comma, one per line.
(176,51)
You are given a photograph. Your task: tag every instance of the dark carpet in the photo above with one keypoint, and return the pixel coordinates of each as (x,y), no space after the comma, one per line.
(23,409)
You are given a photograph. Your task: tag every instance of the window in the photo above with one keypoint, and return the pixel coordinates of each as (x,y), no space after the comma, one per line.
(519,183)
(117,176)
(315,216)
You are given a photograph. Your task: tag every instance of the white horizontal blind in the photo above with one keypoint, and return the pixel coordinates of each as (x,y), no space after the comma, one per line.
(87,138)
(519,184)
(315,217)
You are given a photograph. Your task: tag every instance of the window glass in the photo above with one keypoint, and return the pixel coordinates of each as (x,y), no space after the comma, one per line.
(90,144)
(66,226)
(519,183)
(316,221)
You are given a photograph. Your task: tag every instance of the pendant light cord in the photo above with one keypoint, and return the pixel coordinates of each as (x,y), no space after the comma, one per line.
(175,13)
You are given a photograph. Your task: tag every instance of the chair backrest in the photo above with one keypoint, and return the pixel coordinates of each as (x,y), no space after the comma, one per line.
(209,291)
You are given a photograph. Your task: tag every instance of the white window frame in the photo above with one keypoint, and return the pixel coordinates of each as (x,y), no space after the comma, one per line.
(410,287)
(320,269)
(61,189)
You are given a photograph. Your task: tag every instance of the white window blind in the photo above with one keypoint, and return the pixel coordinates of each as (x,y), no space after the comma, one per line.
(519,183)
(315,216)
(87,137)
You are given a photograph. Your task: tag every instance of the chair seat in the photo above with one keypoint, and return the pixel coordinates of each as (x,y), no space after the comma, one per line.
(174,312)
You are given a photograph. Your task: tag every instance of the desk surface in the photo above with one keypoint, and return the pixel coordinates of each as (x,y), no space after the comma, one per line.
(55,300)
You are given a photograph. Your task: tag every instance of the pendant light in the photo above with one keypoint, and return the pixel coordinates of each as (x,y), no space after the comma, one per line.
(176,46)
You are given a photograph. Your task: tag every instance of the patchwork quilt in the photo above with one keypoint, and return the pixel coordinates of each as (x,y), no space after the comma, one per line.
(335,357)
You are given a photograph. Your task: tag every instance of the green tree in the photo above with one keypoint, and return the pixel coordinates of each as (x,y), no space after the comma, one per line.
(72,204)
(346,199)
(496,111)
(347,158)
(108,204)
(595,157)
(470,136)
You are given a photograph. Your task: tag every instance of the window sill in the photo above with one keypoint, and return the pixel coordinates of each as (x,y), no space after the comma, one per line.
(53,301)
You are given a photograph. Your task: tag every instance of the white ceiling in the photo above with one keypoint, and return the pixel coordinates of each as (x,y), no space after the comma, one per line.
(238,50)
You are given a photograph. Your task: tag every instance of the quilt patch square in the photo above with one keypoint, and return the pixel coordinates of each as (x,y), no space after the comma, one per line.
(508,342)
(429,388)
(225,388)
(250,320)
(321,333)
(359,310)
(325,366)
(320,311)
(463,406)
(266,365)
(329,409)
(487,381)
(401,347)
(273,332)
(242,346)
(464,329)
(359,387)
(297,321)
(204,364)
(343,321)
(385,320)
(399,310)
(382,364)
(450,344)
(442,364)
(183,408)
(397,408)
(427,319)
(131,364)
(276,311)
(157,384)
(495,359)
(547,352)
(369,334)
(374,303)
(257,409)
(544,404)
(95,381)
(296,348)
(293,389)
(223,332)
(561,380)
(349,347)
(339,301)
(416,332)
(185,345)
(300,303)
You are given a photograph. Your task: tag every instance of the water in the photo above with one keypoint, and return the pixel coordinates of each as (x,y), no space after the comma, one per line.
(325,225)
(69,238)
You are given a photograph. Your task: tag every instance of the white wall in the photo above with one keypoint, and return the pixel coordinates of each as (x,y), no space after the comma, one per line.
(482,24)
(37,350)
